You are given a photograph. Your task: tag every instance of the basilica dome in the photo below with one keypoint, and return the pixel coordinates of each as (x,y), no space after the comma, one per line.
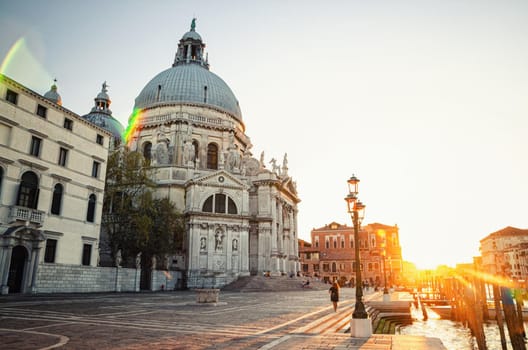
(189,81)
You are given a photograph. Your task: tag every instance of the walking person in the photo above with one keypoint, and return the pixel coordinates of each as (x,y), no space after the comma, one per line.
(334,294)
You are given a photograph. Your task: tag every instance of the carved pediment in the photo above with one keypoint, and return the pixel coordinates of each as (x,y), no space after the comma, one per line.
(220,179)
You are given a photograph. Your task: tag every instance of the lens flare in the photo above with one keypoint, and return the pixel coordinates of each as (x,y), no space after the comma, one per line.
(21,65)
(133,123)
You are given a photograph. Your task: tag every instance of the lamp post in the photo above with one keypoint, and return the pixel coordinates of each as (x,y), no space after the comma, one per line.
(360,325)
(386,296)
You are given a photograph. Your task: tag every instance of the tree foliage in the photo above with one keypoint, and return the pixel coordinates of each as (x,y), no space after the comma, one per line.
(133,220)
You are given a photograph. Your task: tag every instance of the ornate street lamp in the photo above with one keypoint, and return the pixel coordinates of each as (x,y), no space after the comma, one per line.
(360,326)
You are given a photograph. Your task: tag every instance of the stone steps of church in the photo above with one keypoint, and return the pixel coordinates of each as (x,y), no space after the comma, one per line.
(272,283)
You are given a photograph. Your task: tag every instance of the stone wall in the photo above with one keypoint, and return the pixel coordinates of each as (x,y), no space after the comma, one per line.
(171,280)
(58,278)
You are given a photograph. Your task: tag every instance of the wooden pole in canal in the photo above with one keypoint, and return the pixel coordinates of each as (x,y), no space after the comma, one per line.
(510,315)
(498,315)
(473,310)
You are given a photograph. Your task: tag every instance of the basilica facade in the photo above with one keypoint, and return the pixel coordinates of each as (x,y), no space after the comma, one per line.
(241,211)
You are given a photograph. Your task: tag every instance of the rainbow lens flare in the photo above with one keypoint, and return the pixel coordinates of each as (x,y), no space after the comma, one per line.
(21,65)
(133,123)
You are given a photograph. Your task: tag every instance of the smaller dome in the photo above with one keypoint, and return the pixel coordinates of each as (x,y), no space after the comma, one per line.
(53,95)
(192,35)
(101,115)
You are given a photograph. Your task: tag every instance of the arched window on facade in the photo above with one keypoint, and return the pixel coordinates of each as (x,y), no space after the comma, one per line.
(56,202)
(28,190)
(147,149)
(212,156)
(334,267)
(327,244)
(335,243)
(342,242)
(317,243)
(90,213)
(231,206)
(219,203)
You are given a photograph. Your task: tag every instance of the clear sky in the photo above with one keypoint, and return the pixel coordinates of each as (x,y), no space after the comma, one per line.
(425,101)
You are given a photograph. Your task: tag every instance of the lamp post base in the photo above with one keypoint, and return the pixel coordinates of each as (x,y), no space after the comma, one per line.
(386,298)
(360,327)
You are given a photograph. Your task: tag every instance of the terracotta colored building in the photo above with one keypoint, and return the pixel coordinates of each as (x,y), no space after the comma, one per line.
(330,255)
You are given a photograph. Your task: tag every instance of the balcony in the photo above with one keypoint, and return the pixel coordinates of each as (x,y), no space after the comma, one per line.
(26,214)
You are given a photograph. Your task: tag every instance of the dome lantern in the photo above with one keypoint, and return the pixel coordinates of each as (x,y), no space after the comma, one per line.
(191,49)
(102,101)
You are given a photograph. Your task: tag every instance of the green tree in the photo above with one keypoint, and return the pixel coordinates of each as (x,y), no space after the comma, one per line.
(133,221)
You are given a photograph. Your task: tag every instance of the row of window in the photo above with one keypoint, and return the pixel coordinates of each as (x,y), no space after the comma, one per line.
(36,149)
(363,243)
(28,194)
(51,251)
(42,111)
(342,268)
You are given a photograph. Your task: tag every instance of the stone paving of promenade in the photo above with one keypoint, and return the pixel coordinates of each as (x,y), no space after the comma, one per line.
(301,319)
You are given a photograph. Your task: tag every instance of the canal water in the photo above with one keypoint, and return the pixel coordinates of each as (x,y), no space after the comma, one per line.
(452,334)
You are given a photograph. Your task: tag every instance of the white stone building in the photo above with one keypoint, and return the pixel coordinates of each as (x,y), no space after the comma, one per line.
(504,253)
(52,177)
(241,215)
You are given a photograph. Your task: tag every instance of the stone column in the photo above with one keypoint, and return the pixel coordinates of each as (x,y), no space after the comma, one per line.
(7,250)
(189,48)
(280,229)
(35,256)
(274,249)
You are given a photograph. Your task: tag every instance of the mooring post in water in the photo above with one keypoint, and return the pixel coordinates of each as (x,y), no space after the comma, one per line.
(519,303)
(498,315)
(510,315)
(475,304)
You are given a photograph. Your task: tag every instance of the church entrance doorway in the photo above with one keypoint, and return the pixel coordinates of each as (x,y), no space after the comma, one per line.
(19,256)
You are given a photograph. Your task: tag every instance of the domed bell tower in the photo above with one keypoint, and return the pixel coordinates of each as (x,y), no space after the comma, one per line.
(191,49)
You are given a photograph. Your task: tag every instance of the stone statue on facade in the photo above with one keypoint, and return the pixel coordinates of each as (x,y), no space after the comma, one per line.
(118,258)
(203,244)
(275,168)
(154,262)
(167,262)
(219,238)
(160,152)
(138,260)
(233,158)
(261,162)
(235,244)
(189,152)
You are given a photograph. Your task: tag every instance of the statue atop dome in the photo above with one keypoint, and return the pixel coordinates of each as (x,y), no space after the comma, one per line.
(193,25)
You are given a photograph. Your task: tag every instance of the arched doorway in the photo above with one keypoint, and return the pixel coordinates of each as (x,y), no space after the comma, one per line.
(19,256)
